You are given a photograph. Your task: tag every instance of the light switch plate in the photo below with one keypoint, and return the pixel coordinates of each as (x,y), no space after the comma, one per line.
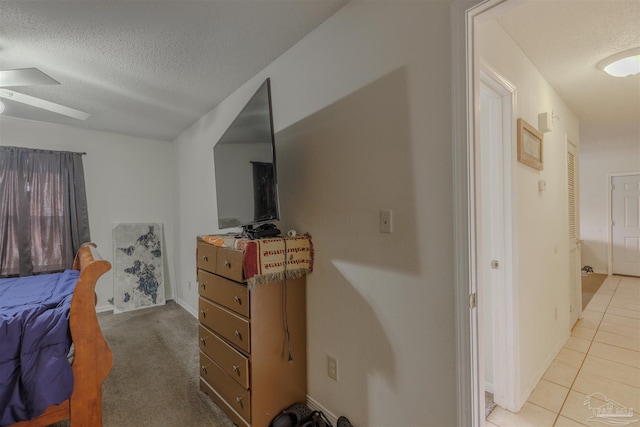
(386,221)
(542,185)
(332,368)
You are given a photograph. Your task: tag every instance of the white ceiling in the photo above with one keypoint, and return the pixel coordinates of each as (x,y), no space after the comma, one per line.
(151,68)
(147,68)
(566,39)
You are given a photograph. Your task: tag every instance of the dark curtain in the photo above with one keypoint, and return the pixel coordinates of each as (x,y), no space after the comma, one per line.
(265,197)
(43,210)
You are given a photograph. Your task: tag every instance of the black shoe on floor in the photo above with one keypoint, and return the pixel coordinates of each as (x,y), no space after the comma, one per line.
(344,422)
(293,416)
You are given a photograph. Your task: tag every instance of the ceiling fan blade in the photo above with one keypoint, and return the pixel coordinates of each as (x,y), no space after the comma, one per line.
(25,77)
(45,105)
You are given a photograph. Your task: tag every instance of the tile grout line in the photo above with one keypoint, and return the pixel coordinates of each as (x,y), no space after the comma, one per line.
(586,353)
(606,312)
(616,288)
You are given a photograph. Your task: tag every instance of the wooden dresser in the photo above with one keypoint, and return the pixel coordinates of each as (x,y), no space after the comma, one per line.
(244,346)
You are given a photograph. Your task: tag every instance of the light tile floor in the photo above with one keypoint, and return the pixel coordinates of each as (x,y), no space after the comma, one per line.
(601,356)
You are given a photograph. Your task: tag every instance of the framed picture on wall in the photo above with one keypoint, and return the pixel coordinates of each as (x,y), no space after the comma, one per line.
(529,145)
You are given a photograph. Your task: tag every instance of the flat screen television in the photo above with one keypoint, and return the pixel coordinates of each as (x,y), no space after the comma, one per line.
(245,168)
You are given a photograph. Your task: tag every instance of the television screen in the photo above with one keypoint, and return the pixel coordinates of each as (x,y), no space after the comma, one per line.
(245,166)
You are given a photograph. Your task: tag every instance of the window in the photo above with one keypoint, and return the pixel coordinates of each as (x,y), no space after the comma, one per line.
(43,210)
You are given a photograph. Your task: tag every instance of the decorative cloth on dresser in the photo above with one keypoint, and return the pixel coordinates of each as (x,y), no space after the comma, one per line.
(270,259)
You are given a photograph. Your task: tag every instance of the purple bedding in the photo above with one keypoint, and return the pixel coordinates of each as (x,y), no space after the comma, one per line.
(34,343)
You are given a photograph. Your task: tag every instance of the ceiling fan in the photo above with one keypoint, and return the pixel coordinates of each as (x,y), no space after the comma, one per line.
(33,77)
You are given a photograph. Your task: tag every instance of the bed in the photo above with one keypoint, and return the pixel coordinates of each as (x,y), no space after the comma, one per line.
(92,357)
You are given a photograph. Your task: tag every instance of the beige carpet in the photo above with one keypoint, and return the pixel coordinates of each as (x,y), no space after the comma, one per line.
(154,380)
(590,285)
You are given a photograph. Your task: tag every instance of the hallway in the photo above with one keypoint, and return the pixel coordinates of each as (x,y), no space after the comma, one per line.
(600,358)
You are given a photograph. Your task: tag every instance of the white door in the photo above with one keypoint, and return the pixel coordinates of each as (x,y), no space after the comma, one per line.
(495,239)
(575,280)
(625,227)
(490,232)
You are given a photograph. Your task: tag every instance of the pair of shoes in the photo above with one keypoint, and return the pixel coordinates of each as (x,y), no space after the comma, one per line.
(299,415)
(317,419)
(293,416)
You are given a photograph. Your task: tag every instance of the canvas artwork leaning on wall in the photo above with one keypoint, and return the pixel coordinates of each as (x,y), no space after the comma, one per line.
(138,271)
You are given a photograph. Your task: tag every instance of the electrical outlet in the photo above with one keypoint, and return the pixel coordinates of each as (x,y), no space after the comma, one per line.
(386,221)
(332,368)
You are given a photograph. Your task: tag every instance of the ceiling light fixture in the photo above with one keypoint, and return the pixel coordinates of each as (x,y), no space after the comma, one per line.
(622,64)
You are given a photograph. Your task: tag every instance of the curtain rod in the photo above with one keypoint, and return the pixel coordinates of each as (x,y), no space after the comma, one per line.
(42,150)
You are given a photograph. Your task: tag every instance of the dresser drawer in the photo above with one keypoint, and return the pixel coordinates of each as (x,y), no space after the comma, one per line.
(206,388)
(235,395)
(225,323)
(231,361)
(207,257)
(229,264)
(233,295)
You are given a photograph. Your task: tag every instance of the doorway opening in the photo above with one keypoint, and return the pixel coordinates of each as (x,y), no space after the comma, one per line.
(539,292)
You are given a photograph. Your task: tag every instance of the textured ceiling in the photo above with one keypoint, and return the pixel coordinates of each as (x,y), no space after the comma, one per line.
(147,68)
(566,39)
(151,68)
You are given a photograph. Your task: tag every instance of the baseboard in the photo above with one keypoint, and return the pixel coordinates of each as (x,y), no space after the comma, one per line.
(194,313)
(522,399)
(488,387)
(187,307)
(605,272)
(104,308)
(316,406)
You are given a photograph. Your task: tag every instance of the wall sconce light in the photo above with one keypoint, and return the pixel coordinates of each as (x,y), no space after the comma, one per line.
(622,64)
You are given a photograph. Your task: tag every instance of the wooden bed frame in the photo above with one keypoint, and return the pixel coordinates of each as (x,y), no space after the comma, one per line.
(93,358)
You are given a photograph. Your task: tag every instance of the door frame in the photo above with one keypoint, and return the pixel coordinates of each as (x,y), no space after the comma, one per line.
(609,226)
(470,404)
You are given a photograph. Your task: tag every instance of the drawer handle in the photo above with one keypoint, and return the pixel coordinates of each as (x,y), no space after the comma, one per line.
(202,285)
(237,333)
(237,299)
(236,369)
(239,401)
(205,258)
(203,341)
(203,368)
(203,313)
(227,264)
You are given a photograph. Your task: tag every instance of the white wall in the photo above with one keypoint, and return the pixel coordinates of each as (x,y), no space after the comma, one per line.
(540,218)
(362,109)
(127,180)
(604,150)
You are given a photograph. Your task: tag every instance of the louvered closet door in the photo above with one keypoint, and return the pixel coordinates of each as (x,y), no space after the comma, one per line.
(575,279)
